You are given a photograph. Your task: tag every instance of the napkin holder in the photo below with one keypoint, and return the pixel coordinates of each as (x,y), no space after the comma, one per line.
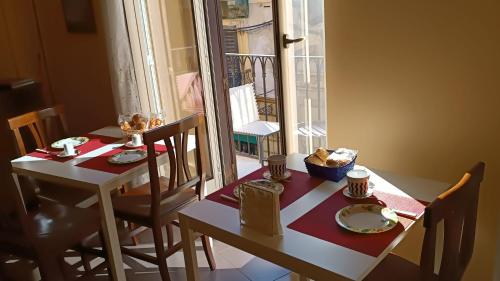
(260,209)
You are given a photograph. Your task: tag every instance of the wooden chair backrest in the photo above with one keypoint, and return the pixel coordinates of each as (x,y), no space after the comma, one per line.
(457,208)
(35,125)
(37,122)
(54,120)
(180,174)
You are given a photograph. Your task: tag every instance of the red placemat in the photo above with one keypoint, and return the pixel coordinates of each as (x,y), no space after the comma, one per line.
(95,142)
(100,162)
(299,184)
(320,222)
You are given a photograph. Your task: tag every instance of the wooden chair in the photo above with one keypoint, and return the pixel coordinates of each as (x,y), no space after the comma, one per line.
(45,126)
(157,203)
(457,208)
(38,122)
(44,231)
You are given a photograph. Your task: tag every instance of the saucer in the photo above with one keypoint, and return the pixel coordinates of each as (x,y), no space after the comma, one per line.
(369,193)
(63,154)
(267,176)
(129,144)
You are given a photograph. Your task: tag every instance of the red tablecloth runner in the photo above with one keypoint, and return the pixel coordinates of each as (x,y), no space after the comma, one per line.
(299,184)
(95,142)
(101,163)
(320,222)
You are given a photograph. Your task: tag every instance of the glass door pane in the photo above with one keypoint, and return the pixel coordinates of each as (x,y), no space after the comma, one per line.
(177,81)
(253,81)
(304,74)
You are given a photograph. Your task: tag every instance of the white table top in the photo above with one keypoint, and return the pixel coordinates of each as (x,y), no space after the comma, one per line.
(331,261)
(258,128)
(68,173)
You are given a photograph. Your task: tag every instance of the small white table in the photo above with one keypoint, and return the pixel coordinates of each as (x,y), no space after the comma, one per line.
(306,255)
(102,183)
(259,129)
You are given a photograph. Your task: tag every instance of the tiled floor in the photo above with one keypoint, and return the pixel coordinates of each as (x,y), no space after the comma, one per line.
(232,264)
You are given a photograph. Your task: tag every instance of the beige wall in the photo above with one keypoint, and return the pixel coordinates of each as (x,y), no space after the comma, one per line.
(78,68)
(20,49)
(415,86)
(76,63)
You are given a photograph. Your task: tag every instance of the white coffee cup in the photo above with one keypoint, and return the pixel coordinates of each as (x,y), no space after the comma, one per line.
(69,148)
(357,182)
(136,140)
(277,165)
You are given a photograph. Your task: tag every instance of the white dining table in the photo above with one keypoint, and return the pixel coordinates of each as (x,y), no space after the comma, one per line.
(69,175)
(306,255)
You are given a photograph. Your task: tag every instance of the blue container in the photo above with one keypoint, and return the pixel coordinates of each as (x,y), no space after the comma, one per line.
(329,173)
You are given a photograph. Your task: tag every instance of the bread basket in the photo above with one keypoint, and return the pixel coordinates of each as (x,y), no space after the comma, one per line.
(329,173)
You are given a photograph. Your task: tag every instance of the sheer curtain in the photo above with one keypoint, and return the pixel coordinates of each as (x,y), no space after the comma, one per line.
(121,64)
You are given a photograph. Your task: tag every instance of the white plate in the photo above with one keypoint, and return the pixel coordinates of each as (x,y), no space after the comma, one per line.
(267,175)
(371,186)
(128,156)
(265,183)
(131,145)
(76,141)
(63,154)
(366,218)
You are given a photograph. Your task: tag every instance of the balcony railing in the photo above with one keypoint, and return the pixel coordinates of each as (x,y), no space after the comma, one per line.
(260,70)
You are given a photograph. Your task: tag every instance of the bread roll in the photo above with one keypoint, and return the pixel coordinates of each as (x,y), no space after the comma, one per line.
(314,159)
(125,126)
(322,154)
(335,163)
(136,118)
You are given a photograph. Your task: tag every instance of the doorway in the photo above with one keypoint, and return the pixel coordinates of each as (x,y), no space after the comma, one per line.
(281,87)
(170,55)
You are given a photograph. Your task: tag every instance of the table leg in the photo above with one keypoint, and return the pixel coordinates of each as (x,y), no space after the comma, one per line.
(111,235)
(260,143)
(298,277)
(190,259)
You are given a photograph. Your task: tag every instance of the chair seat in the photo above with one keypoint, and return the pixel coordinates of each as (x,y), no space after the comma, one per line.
(134,205)
(145,189)
(396,268)
(54,226)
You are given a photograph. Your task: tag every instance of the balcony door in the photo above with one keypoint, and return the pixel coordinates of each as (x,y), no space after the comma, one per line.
(170,54)
(302,42)
(285,81)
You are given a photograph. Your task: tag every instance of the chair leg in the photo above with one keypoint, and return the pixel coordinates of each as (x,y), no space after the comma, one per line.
(86,262)
(170,235)
(131,227)
(205,241)
(49,268)
(103,243)
(160,253)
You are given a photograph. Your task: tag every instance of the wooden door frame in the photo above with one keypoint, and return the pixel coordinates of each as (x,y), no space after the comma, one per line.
(215,30)
(213,18)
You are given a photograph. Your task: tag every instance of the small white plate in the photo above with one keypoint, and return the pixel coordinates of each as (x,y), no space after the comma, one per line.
(76,141)
(128,156)
(264,183)
(267,175)
(63,154)
(130,144)
(366,218)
